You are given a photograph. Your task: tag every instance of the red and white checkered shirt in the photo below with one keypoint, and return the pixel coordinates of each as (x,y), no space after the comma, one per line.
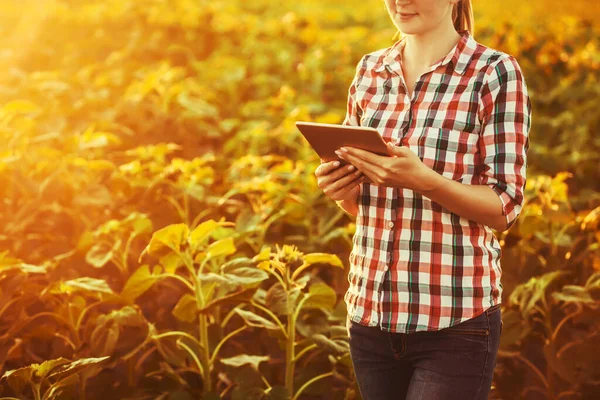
(416,266)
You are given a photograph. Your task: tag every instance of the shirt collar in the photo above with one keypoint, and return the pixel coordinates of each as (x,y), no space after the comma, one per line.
(459,56)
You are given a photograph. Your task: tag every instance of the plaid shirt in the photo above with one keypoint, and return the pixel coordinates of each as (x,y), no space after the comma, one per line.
(414,265)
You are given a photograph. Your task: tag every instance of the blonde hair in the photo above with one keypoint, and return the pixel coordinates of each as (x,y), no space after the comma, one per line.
(462,18)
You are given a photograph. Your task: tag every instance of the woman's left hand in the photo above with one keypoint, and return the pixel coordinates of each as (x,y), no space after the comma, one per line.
(403,169)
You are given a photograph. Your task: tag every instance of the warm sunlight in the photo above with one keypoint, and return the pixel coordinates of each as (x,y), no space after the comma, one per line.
(167,232)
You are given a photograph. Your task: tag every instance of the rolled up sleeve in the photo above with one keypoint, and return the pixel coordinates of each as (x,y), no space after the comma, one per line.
(505,113)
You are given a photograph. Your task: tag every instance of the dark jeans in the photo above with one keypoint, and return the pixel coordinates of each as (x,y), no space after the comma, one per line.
(452,363)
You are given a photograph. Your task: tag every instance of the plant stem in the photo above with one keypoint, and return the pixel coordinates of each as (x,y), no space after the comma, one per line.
(222,342)
(205,352)
(291,338)
(203,325)
(552,240)
(305,350)
(202,319)
(36,392)
(549,392)
(289,355)
(308,383)
(124,262)
(130,370)
(186,208)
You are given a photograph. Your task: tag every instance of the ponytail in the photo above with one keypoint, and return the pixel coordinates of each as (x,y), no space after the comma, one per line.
(462,16)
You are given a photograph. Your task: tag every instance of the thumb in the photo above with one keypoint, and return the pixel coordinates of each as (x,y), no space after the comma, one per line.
(394,150)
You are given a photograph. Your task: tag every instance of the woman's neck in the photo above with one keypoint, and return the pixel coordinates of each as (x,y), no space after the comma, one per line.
(423,50)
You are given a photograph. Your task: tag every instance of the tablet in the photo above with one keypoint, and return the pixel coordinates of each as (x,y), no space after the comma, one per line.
(325,139)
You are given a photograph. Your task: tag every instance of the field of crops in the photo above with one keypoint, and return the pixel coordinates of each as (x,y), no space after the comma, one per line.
(162,235)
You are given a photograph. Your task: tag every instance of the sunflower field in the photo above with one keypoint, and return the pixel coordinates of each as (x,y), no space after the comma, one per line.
(162,234)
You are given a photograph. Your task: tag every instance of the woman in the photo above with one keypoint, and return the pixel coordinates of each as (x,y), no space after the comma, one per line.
(424,318)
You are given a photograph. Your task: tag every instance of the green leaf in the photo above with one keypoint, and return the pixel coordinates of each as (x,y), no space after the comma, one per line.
(593,282)
(279,301)
(112,337)
(76,367)
(331,346)
(174,354)
(236,298)
(264,255)
(126,316)
(197,107)
(323,258)
(23,268)
(186,308)
(99,254)
(247,276)
(20,107)
(138,283)
(107,332)
(231,265)
(168,238)
(345,360)
(43,369)
(255,320)
(573,294)
(211,277)
(18,379)
(320,296)
(223,247)
(84,284)
(532,224)
(201,233)
(171,262)
(317,258)
(57,389)
(243,359)
(91,140)
(142,224)
(528,294)
(247,221)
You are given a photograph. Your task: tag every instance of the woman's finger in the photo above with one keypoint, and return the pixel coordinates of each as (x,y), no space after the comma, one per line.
(340,173)
(341,184)
(326,168)
(346,180)
(344,190)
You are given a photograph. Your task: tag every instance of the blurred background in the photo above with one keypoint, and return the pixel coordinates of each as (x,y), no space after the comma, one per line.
(159,209)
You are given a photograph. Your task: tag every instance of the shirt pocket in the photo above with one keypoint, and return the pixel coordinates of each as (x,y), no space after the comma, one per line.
(450,152)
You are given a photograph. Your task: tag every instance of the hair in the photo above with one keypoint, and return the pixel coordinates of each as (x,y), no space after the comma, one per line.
(462,18)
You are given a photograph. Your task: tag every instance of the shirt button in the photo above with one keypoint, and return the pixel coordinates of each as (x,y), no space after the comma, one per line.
(390,224)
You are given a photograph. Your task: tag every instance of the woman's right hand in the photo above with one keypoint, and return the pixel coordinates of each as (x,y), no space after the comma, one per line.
(339,182)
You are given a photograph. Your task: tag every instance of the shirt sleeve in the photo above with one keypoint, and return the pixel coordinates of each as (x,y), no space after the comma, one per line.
(505,112)
(353,110)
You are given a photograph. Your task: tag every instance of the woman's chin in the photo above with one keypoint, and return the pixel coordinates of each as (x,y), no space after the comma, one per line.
(407,30)
(407,27)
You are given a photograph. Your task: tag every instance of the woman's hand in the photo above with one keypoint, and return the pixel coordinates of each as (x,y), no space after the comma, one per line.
(339,182)
(404,169)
